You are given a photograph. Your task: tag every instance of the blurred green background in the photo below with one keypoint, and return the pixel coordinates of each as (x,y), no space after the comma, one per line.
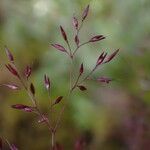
(111,116)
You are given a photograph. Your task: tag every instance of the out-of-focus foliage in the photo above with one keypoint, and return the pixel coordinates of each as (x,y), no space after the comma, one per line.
(104,114)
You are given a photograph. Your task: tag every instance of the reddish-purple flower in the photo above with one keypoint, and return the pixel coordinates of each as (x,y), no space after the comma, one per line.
(27,72)
(58,100)
(85,13)
(12,70)
(101,58)
(59,47)
(111,56)
(82,88)
(23,107)
(47,82)
(97,38)
(75,22)
(32,88)
(81,69)
(9,54)
(11,86)
(104,79)
(77,40)
(64,35)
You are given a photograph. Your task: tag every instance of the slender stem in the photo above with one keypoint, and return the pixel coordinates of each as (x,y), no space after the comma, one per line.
(34,101)
(77,34)
(70,78)
(8,142)
(85,78)
(59,117)
(38,110)
(79,47)
(78,31)
(53,139)
(51,108)
(70,51)
(45,120)
(51,119)
(70,92)
(70,75)
(75,84)
(65,104)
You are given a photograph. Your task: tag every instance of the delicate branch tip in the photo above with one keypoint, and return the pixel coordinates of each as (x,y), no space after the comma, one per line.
(104,79)
(64,35)
(32,89)
(76,39)
(11,86)
(81,69)
(82,88)
(27,72)
(59,47)
(85,13)
(9,54)
(58,100)
(75,23)
(110,57)
(12,70)
(97,38)
(101,58)
(23,107)
(47,82)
